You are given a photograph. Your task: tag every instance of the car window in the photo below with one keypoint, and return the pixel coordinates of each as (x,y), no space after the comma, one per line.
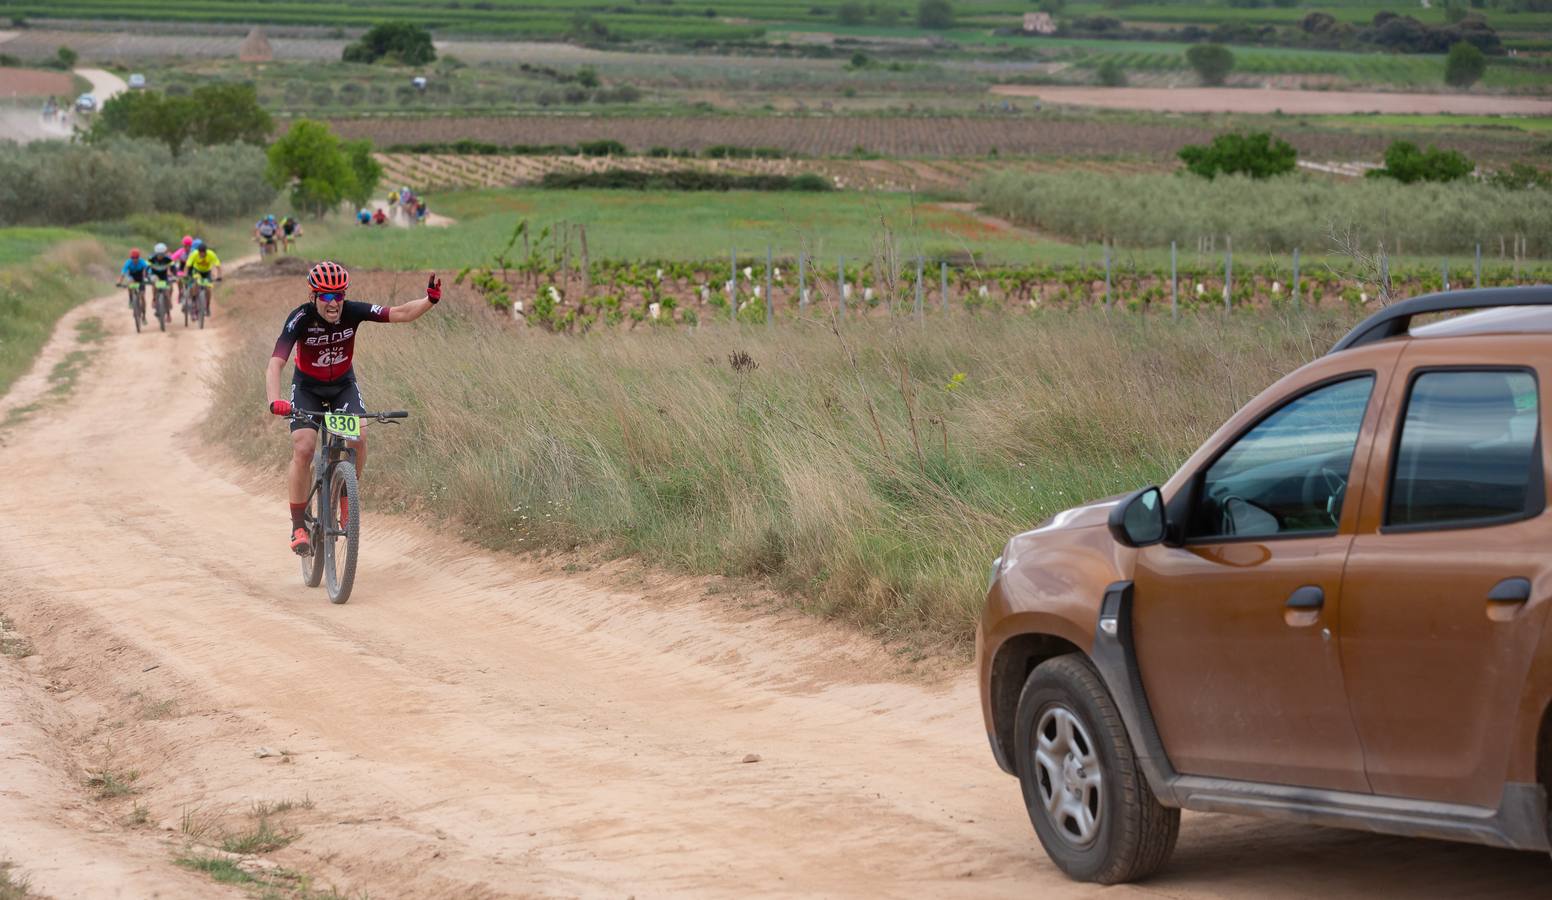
(1288,474)
(1467,449)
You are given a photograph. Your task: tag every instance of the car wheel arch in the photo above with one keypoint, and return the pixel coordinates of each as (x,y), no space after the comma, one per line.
(1015,659)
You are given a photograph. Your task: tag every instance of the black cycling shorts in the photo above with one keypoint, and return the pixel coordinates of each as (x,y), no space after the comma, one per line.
(318,396)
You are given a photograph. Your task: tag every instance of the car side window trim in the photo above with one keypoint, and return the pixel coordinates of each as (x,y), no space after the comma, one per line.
(1536,488)
(1182,505)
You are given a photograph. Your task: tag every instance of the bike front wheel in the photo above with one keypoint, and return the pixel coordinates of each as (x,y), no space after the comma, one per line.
(312,563)
(341,532)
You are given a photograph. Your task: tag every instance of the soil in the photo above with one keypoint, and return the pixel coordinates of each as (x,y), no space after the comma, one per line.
(23,83)
(481,725)
(1267,100)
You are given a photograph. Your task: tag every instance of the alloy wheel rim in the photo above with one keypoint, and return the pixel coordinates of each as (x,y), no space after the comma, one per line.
(1070,778)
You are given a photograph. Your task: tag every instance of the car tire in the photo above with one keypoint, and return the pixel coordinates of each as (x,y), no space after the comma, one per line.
(1091,805)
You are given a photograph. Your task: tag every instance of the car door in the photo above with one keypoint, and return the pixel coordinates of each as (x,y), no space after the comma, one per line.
(1448,582)
(1235,627)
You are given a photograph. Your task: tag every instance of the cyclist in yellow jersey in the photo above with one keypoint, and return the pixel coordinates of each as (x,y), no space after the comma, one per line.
(202,261)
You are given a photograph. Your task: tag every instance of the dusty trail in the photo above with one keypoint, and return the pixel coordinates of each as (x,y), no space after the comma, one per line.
(473,725)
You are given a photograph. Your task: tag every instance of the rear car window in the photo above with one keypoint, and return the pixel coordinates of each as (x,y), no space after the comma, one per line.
(1467,452)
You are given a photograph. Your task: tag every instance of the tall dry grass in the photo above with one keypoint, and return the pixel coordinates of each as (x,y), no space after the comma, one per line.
(874,472)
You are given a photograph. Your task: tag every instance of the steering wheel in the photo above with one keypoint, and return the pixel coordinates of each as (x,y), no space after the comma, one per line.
(1335,485)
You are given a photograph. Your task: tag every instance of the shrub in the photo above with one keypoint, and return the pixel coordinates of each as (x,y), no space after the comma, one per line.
(851,13)
(1464,66)
(399,41)
(1258,155)
(211,114)
(602,148)
(1275,215)
(1111,74)
(55,183)
(937,15)
(1212,62)
(1521,177)
(1407,164)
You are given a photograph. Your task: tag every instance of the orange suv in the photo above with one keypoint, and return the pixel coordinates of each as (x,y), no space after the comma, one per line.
(1334,613)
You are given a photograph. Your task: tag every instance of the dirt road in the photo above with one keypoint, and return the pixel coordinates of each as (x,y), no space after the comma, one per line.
(476,725)
(1289,100)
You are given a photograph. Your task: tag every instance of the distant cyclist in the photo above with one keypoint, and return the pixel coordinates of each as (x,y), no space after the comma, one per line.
(266,232)
(163,267)
(135,269)
(290,230)
(181,257)
(203,261)
(323,331)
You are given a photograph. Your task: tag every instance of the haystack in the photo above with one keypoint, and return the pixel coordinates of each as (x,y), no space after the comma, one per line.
(255,47)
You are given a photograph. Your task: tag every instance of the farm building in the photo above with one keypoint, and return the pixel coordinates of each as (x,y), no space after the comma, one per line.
(255,47)
(1039,23)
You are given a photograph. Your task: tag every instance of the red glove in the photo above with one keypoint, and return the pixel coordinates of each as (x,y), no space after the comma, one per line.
(434,290)
(280,407)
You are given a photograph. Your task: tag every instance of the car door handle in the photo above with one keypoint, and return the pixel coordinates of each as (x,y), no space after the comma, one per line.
(1308,597)
(1510,590)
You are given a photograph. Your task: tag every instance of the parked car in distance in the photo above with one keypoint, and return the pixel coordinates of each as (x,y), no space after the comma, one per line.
(137,80)
(1336,612)
(86,103)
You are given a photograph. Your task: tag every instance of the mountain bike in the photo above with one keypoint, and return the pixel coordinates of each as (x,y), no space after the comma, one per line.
(136,302)
(198,304)
(333,514)
(162,302)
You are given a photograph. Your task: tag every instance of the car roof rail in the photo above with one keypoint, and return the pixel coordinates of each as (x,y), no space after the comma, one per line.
(1396,319)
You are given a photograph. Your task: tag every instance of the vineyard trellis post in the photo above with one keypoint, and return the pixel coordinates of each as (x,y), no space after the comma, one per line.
(1107,275)
(770,302)
(1296,301)
(1174,285)
(840,283)
(1384,277)
(1228,272)
(1446,265)
(733,285)
(920,265)
(943,288)
(587,269)
(1478,282)
(802,281)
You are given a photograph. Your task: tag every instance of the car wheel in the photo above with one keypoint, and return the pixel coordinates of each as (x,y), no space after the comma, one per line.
(1090,804)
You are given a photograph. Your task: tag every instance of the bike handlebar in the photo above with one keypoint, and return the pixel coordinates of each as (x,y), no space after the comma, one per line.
(378,416)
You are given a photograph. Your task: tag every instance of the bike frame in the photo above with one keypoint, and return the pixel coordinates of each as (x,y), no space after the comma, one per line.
(330,451)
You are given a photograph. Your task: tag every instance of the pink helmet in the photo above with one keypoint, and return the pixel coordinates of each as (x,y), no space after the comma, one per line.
(188,241)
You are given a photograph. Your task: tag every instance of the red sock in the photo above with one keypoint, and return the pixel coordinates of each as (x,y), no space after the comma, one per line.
(296,515)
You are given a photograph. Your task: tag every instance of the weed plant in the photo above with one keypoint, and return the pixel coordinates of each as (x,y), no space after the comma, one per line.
(873,470)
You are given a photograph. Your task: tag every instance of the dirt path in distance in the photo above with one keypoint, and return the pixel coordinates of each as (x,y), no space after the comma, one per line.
(1266,100)
(475,725)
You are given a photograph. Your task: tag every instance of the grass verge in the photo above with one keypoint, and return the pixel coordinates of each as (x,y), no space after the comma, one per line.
(35,294)
(874,472)
(13,886)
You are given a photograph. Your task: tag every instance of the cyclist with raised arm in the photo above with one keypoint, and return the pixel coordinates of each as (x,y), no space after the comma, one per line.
(323,331)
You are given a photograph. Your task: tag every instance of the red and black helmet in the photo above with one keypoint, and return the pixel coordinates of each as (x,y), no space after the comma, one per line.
(328,276)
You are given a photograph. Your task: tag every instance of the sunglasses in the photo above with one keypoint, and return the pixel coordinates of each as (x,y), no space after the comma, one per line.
(330,296)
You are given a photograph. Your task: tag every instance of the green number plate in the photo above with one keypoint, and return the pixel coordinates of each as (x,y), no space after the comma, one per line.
(342,425)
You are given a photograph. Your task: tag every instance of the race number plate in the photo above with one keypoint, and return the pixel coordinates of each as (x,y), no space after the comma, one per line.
(343,425)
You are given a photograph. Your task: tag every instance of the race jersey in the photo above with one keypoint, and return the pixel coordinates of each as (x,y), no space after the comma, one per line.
(266,229)
(323,351)
(134,268)
(180,254)
(204,262)
(161,266)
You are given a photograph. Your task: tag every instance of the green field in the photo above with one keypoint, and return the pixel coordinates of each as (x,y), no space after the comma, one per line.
(684,226)
(22,245)
(730,20)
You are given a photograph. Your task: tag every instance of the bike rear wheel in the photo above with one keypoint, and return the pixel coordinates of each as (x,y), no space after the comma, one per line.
(137,309)
(161,310)
(341,535)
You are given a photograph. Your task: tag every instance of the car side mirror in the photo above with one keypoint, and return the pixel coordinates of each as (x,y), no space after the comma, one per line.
(1138,520)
